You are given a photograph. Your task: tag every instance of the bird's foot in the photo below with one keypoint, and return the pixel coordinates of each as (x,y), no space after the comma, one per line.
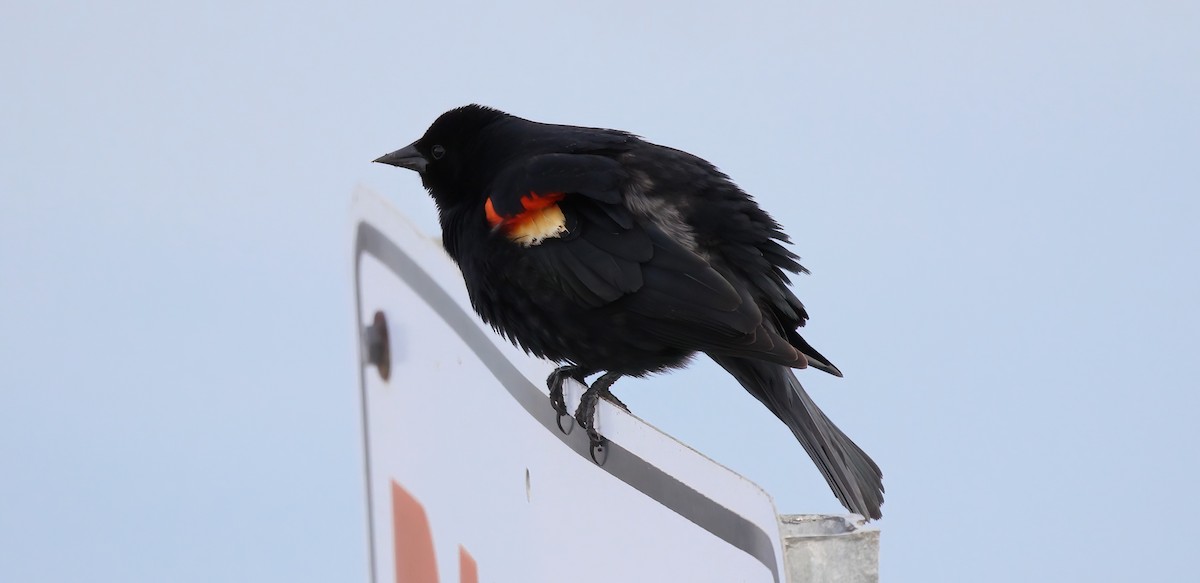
(606,394)
(555,382)
(585,415)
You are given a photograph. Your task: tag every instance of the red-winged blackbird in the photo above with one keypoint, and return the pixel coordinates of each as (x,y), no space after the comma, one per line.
(606,253)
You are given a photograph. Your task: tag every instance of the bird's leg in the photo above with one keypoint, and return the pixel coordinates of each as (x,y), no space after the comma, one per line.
(555,382)
(585,415)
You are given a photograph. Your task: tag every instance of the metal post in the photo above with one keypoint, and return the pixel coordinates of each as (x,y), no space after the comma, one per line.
(821,548)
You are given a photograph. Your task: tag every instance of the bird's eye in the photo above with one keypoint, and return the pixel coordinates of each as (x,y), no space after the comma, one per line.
(437,152)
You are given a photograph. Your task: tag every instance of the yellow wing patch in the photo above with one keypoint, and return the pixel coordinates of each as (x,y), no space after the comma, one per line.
(537,226)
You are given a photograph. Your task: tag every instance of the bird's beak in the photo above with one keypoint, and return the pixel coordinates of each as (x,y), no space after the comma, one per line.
(406,157)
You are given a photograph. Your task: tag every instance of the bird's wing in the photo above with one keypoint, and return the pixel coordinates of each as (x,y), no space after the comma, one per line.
(566,216)
(756,254)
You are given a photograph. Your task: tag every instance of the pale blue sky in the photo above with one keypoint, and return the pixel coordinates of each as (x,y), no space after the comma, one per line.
(998,201)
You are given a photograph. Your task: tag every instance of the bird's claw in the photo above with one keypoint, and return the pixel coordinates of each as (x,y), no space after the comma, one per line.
(570,423)
(606,394)
(560,406)
(597,450)
(585,416)
(555,382)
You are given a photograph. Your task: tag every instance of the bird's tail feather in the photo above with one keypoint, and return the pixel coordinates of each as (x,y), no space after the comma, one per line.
(852,475)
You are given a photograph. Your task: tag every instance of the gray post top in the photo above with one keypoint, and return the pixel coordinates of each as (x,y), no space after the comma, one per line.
(821,548)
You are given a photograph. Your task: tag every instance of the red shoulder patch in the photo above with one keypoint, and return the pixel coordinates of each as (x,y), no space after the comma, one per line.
(540,219)
(531,206)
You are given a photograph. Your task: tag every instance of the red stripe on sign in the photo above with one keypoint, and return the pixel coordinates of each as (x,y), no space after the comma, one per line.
(468,572)
(412,539)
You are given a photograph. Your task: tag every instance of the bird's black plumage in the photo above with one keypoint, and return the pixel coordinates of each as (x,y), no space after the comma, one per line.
(603,252)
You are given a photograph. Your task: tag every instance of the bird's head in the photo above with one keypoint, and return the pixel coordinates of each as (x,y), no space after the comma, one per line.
(449,156)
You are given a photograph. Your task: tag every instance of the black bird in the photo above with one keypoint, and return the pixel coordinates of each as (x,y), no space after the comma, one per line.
(606,253)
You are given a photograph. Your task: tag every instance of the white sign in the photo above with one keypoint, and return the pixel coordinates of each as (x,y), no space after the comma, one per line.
(469,477)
